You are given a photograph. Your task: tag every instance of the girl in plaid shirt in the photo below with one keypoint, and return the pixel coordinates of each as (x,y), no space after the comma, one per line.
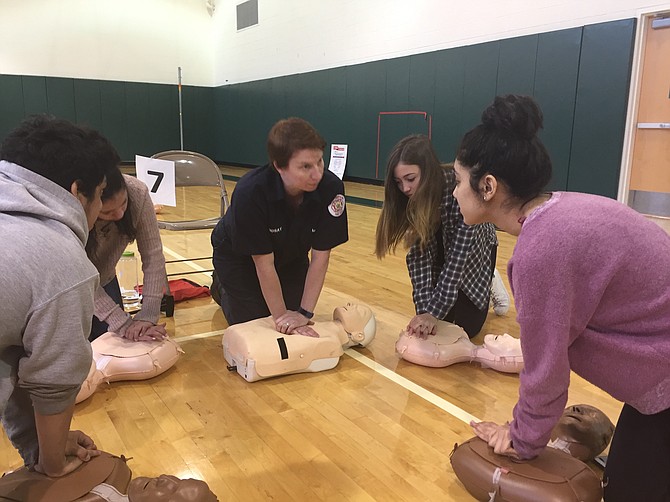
(450,263)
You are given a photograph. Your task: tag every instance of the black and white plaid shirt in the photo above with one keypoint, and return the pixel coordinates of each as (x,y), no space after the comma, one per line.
(461,260)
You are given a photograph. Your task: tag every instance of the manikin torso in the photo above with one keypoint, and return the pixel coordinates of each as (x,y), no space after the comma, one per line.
(450,345)
(256,350)
(117,358)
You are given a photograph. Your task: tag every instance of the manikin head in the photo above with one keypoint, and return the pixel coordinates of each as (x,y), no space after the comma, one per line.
(502,345)
(501,353)
(167,488)
(358,321)
(586,430)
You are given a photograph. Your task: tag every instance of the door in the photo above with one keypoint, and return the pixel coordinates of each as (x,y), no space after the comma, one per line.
(650,170)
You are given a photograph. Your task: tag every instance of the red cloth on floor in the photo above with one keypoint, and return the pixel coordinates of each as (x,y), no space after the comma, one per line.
(183,289)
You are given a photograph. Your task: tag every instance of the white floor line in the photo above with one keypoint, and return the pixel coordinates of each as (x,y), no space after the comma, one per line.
(197,336)
(434,399)
(441,403)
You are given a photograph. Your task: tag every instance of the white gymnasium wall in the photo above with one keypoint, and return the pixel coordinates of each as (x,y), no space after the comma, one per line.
(127,40)
(146,40)
(296,36)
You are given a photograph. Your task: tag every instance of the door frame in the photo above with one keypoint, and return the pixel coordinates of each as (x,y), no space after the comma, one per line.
(634,101)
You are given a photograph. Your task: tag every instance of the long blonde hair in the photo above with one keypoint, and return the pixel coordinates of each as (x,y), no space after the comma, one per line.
(412,219)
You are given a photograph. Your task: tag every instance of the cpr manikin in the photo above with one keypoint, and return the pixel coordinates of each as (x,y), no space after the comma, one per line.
(583,431)
(256,350)
(558,473)
(105,478)
(117,358)
(450,345)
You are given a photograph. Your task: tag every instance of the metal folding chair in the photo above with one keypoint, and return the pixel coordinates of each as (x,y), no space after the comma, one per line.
(194,173)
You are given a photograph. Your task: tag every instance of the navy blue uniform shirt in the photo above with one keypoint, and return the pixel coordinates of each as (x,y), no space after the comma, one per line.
(260,221)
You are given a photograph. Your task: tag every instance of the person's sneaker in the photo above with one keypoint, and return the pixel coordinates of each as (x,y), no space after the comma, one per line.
(499,295)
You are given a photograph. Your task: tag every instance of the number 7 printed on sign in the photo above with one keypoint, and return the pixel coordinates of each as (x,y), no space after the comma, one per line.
(158,176)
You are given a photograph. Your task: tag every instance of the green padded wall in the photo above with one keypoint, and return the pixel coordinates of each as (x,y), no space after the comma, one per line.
(448,111)
(138,131)
(517,61)
(60,98)
(11,103)
(365,98)
(555,89)
(479,85)
(164,117)
(198,119)
(138,118)
(113,111)
(88,108)
(579,76)
(34,96)
(600,109)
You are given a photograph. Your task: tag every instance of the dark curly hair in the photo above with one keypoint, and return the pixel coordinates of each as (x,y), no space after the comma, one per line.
(506,145)
(61,151)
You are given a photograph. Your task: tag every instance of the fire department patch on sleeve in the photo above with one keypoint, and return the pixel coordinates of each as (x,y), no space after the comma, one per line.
(336,207)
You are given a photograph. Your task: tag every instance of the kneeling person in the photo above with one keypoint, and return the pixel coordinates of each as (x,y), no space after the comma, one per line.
(278,214)
(52,174)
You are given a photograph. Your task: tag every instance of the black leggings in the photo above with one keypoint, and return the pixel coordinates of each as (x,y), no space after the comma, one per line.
(464,313)
(638,464)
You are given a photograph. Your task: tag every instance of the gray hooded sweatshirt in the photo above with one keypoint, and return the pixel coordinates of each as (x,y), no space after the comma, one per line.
(46,302)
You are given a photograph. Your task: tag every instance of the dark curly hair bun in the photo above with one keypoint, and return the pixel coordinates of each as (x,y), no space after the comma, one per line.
(515,115)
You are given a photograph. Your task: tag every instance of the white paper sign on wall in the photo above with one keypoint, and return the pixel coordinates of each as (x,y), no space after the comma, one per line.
(158,176)
(338,159)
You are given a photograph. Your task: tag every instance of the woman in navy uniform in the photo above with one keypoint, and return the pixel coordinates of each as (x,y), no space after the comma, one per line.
(278,213)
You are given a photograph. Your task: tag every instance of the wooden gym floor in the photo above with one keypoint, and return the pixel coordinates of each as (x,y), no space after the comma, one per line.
(373,428)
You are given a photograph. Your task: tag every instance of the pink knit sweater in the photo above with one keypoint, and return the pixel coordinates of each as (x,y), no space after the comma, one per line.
(591,283)
(110,246)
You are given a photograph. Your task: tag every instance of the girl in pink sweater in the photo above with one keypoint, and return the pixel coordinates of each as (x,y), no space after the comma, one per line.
(591,281)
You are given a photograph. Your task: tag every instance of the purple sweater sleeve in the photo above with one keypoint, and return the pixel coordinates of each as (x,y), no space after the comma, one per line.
(544,295)
(543,391)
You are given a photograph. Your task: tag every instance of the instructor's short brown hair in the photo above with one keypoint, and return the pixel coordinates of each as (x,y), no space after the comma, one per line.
(290,135)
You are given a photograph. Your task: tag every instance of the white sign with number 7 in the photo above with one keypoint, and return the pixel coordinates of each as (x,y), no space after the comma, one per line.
(158,176)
